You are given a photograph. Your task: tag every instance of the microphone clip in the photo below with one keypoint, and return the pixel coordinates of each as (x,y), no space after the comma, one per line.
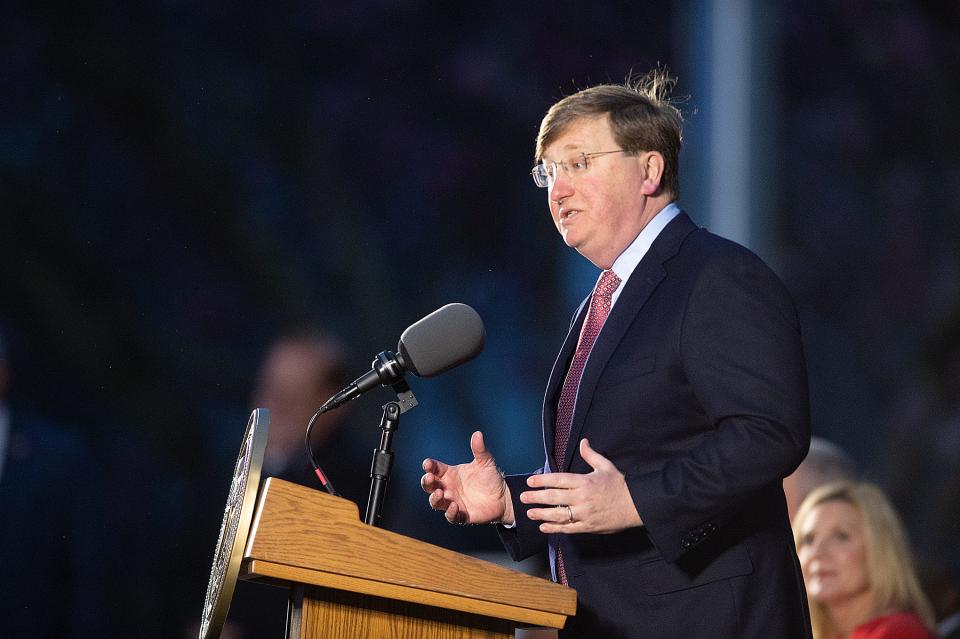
(405,397)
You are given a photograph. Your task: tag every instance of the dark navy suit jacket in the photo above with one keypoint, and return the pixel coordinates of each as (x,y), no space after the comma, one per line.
(696,390)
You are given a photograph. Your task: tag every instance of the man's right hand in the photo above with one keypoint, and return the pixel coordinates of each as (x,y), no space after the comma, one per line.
(472,493)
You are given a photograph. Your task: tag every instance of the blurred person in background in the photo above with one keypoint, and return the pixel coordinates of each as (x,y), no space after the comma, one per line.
(52,554)
(300,371)
(825,462)
(858,566)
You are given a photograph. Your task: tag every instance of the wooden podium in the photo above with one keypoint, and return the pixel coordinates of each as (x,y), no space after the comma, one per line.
(349,579)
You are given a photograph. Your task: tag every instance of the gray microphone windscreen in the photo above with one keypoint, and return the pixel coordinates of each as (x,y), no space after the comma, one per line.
(449,336)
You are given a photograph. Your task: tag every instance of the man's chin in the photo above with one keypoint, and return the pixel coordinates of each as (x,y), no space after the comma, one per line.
(570,240)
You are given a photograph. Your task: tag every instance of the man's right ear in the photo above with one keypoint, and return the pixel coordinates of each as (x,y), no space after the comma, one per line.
(653,165)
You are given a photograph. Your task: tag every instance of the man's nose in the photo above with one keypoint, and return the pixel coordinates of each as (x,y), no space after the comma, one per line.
(562,186)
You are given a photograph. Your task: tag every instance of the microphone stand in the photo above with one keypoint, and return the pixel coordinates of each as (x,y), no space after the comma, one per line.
(382,461)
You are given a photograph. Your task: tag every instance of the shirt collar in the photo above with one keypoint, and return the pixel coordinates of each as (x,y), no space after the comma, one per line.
(631,256)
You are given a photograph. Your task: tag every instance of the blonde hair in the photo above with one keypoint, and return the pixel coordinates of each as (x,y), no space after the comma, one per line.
(642,118)
(893,579)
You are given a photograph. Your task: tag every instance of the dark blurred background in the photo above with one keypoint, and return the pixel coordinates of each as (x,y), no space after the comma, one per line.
(182,182)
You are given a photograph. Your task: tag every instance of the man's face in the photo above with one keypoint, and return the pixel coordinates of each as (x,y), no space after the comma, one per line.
(600,212)
(289,386)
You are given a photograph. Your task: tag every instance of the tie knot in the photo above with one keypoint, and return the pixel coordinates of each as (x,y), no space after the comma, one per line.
(608,284)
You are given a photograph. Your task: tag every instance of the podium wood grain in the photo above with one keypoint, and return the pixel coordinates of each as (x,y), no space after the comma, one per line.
(336,613)
(304,536)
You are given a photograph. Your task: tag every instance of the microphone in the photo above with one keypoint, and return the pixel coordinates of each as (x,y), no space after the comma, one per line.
(449,336)
(444,339)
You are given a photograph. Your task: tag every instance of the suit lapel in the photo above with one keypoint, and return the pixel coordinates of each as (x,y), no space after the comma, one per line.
(641,284)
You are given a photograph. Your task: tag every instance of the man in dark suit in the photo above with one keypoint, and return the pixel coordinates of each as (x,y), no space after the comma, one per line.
(676,406)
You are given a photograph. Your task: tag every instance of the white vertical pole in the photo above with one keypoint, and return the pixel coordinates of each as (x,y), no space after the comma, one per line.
(730,64)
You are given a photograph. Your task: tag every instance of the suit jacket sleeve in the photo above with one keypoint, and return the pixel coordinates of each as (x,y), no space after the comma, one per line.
(741,353)
(525,539)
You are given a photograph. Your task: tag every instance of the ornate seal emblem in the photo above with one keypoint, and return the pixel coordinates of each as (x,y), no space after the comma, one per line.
(237,517)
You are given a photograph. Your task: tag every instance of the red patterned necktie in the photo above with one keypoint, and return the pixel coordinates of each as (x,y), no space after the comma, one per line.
(600,305)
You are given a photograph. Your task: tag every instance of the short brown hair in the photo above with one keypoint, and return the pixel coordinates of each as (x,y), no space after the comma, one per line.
(642,118)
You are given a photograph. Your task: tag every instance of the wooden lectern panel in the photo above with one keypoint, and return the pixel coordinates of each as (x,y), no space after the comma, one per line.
(336,613)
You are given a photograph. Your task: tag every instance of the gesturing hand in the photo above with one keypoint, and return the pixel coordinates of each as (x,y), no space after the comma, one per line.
(472,493)
(599,502)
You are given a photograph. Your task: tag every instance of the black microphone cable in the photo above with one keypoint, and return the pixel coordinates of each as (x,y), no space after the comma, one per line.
(313,460)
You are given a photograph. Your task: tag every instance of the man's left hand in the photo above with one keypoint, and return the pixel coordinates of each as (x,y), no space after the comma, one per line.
(599,502)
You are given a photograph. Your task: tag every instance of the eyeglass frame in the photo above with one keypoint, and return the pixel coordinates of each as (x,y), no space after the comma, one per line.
(539,172)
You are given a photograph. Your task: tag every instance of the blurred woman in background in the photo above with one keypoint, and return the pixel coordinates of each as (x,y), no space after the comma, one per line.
(858,567)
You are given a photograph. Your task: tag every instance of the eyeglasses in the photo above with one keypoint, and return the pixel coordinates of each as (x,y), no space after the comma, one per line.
(545,173)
